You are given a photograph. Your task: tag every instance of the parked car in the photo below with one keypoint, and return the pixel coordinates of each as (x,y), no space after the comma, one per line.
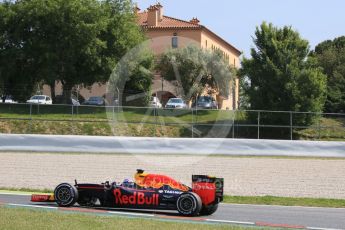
(99,101)
(206,102)
(177,103)
(7,99)
(74,102)
(40,99)
(60,99)
(155,103)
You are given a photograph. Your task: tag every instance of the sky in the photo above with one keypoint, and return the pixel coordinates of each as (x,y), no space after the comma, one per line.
(235,21)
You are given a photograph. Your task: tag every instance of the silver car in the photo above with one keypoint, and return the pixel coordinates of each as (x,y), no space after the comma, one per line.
(176,103)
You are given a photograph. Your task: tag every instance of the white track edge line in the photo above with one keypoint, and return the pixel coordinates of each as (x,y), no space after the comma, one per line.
(231,222)
(316,228)
(130,213)
(33,206)
(16,193)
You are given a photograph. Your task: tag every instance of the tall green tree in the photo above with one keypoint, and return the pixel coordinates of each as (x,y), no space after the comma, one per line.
(131,80)
(195,69)
(17,72)
(331,57)
(73,42)
(280,76)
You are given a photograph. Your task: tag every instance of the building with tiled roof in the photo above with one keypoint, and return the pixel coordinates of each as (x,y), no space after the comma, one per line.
(166,33)
(171,32)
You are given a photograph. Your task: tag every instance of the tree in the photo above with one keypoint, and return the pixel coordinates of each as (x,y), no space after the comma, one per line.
(195,69)
(331,57)
(132,78)
(73,42)
(281,76)
(17,74)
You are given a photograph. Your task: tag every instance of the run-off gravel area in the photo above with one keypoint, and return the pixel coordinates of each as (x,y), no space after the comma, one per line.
(248,176)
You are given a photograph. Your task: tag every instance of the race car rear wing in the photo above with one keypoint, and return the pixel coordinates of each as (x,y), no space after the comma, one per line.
(210,189)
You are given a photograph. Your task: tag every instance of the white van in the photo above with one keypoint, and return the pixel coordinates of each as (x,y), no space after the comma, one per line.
(40,99)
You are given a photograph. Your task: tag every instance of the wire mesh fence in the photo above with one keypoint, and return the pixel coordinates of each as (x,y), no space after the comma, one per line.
(160,122)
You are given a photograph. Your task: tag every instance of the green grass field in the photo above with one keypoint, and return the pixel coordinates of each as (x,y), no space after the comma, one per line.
(83,120)
(331,129)
(286,201)
(30,219)
(131,121)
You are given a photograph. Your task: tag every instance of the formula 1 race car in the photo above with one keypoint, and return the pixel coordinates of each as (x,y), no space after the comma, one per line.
(148,191)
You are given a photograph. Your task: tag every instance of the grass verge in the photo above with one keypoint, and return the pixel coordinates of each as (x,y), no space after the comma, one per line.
(286,201)
(25,190)
(18,218)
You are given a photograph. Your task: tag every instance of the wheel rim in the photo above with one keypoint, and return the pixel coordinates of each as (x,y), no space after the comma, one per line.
(187,204)
(64,194)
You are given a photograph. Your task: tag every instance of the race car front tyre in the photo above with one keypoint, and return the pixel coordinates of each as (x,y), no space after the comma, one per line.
(189,204)
(65,195)
(209,209)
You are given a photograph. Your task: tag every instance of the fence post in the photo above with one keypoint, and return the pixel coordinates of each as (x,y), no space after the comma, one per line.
(113,120)
(233,123)
(192,123)
(291,127)
(258,124)
(112,114)
(196,117)
(72,126)
(319,126)
(30,118)
(155,115)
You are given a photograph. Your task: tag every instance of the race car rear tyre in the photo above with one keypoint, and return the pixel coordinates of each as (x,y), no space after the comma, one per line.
(209,209)
(65,195)
(189,204)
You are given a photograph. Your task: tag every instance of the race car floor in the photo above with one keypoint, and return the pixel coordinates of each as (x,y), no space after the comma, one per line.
(247,215)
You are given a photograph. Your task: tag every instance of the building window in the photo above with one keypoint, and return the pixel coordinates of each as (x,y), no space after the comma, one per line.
(206,43)
(174,42)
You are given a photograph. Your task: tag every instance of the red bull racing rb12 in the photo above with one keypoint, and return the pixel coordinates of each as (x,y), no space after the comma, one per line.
(148,191)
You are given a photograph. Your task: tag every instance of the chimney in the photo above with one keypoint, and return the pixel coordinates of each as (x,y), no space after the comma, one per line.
(152,16)
(195,21)
(136,9)
(160,11)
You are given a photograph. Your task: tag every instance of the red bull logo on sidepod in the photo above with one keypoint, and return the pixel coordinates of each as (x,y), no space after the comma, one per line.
(137,198)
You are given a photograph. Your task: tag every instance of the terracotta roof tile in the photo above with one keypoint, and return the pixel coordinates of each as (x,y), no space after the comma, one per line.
(166,22)
(170,22)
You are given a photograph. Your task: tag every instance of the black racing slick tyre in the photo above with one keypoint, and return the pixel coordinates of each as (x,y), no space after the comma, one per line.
(65,195)
(189,204)
(208,210)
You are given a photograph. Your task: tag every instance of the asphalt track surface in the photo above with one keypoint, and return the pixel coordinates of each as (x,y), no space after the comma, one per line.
(247,215)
